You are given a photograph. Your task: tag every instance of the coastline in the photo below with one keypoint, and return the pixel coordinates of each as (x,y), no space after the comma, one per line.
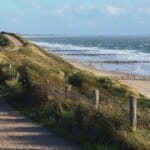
(136,82)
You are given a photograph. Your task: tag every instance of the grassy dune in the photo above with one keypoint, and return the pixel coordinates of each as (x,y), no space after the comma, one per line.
(38,92)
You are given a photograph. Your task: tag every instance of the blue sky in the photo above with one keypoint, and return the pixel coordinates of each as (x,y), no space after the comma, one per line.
(76,17)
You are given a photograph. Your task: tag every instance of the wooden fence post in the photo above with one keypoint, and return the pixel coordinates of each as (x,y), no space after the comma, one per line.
(133,112)
(47,81)
(68,89)
(17,76)
(96,98)
(10,67)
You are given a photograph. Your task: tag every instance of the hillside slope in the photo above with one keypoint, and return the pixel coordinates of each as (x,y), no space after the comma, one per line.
(34,81)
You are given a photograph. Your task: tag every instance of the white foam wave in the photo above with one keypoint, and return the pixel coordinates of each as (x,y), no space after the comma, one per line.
(64,46)
(126,54)
(70,47)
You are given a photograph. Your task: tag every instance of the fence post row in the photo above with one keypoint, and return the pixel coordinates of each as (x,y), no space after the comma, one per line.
(133,105)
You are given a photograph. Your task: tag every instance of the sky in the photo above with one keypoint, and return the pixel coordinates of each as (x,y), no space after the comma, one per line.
(76,17)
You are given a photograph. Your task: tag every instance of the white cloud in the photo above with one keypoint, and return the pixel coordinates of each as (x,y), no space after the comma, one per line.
(60,11)
(88,10)
(79,9)
(144,10)
(37,5)
(115,10)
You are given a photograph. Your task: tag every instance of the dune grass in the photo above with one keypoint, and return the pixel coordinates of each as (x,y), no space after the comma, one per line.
(39,93)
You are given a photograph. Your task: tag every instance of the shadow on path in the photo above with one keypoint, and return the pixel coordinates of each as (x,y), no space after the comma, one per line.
(18,132)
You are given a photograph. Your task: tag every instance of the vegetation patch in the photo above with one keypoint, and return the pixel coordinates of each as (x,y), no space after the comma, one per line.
(22,50)
(3,41)
(35,85)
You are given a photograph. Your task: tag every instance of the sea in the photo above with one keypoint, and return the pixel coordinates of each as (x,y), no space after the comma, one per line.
(122,54)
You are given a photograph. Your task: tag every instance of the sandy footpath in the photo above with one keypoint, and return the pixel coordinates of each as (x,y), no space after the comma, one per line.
(139,83)
(17,43)
(19,133)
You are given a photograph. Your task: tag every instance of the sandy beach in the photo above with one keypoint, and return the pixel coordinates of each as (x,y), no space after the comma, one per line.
(139,83)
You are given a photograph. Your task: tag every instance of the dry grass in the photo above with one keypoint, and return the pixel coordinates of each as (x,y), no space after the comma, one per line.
(42,67)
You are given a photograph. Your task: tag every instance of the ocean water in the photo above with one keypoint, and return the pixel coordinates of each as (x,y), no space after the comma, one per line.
(122,54)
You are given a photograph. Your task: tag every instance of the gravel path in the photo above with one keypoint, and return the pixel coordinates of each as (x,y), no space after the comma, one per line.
(19,133)
(17,43)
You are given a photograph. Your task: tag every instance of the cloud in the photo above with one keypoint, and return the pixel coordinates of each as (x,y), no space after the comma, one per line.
(73,9)
(60,10)
(37,5)
(144,10)
(115,10)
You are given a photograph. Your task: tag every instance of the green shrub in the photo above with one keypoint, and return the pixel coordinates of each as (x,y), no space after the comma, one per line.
(3,41)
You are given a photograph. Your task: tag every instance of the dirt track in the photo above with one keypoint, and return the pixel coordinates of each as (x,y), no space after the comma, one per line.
(17,43)
(18,132)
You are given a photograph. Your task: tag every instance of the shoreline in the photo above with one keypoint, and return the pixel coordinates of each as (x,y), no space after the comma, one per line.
(113,74)
(136,82)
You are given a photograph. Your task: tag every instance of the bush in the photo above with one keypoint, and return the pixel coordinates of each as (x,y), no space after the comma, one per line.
(3,41)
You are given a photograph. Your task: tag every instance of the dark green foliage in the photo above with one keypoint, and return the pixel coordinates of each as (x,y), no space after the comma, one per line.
(87,83)
(3,41)
(76,80)
(24,79)
(80,78)
(2,76)
(107,83)
(79,117)
(55,111)
(144,103)
(5,73)
(100,129)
